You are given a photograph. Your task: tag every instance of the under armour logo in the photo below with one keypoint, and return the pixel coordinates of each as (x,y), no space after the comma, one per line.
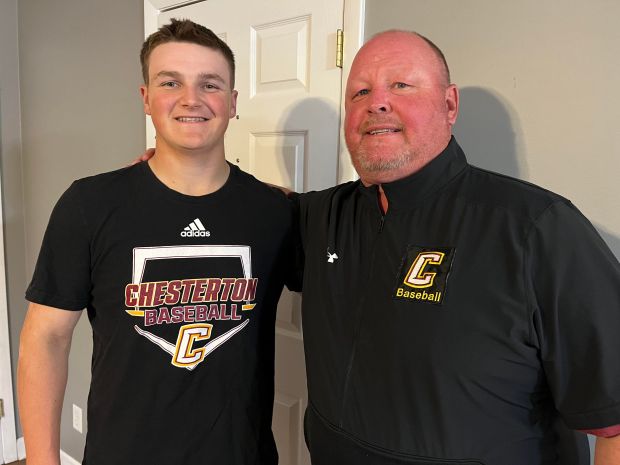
(331,257)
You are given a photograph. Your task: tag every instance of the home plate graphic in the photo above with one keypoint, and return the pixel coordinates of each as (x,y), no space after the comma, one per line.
(188,300)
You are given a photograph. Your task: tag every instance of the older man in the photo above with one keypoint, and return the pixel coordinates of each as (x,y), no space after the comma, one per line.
(451,315)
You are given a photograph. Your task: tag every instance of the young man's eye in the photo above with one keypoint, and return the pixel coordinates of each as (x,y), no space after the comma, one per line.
(169,84)
(210,86)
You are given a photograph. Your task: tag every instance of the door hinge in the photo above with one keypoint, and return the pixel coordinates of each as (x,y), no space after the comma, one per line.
(1,408)
(339,47)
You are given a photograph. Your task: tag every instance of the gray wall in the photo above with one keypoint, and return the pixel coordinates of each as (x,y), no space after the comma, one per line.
(10,151)
(80,114)
(10,154)
(539,93)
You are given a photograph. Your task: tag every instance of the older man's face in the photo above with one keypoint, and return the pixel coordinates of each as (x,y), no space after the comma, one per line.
(399,108)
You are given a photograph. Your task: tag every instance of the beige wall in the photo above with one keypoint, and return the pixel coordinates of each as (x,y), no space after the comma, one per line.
(539,92)
(80,114)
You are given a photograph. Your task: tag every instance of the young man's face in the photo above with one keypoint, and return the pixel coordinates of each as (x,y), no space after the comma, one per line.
(189,98)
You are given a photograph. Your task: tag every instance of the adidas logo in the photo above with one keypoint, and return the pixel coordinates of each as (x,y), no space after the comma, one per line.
(195,229)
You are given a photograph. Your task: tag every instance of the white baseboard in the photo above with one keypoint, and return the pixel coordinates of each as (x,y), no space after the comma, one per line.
(21,449)
(65,459)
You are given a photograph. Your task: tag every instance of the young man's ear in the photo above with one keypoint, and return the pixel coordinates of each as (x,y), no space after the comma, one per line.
(233,104)
(144,92)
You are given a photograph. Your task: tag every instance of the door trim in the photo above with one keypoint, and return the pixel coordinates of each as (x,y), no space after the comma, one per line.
(7,423)
(354,19)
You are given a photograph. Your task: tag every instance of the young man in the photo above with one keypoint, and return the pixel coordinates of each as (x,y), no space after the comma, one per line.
(180,263)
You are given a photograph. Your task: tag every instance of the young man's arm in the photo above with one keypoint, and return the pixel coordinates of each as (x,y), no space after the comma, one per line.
(41,379)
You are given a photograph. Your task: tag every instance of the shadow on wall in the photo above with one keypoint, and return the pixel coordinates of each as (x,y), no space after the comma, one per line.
(489,131)
(612,240)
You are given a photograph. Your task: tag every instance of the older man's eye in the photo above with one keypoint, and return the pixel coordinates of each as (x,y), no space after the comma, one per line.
(401,88)
(361,93)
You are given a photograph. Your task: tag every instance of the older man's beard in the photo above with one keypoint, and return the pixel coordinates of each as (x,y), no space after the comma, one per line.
(365,161)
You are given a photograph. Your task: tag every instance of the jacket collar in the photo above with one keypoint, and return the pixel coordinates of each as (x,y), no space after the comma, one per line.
(406,193)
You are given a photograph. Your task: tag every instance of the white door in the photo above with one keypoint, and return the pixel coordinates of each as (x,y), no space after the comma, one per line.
(287,133)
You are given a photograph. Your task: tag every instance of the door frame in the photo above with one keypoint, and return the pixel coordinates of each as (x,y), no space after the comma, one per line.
(354,20)
(354,16)
(8,435)
(9,137)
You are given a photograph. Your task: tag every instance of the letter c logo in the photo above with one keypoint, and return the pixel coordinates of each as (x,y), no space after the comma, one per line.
(417,277)
(185,354)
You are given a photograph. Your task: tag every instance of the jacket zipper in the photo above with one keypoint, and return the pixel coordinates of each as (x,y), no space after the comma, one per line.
(358,323)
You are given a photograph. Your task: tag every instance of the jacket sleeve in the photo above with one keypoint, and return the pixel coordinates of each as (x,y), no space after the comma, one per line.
(574,282)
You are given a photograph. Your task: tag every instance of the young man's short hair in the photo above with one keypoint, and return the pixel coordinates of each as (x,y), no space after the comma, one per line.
(184,30)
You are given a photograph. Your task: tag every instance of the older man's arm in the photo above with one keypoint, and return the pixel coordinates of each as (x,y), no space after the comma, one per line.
(148,153)
(607,451)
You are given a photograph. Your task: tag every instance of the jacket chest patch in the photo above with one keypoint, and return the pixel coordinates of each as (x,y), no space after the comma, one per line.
(423,274)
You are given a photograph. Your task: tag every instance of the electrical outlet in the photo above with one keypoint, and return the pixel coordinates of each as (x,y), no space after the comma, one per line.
(77,418)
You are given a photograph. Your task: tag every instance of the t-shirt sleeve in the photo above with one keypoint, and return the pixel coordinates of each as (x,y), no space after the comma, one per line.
(575,292)
(61,277)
